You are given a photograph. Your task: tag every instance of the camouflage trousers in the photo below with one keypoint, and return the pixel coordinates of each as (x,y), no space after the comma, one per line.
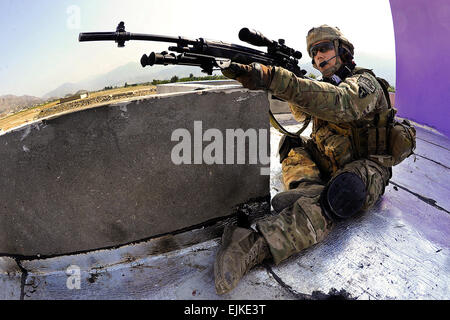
(304,224)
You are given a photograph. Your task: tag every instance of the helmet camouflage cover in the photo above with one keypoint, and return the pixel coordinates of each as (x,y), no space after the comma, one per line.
(325,32)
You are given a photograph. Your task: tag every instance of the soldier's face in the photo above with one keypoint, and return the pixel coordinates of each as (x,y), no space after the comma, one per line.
(322,56)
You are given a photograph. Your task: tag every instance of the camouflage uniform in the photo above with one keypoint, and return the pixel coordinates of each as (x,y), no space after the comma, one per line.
(330,151)
(330,175)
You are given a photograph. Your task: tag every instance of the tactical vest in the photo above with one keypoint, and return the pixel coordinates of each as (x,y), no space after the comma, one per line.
(383,140)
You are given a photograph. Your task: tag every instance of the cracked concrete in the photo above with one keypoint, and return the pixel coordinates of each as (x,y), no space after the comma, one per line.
(429,201)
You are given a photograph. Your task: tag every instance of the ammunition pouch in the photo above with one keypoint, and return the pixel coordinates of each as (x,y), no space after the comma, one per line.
(344,196)
(372,139)
(388,142)
(402,141)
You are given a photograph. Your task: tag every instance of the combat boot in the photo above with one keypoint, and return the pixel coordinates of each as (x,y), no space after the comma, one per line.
(241,250)
(287,198)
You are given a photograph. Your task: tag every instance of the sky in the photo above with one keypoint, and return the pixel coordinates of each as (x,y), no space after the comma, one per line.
(40,48)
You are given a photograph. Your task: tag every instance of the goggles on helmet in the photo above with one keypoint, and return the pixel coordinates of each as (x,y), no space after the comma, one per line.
(322,47)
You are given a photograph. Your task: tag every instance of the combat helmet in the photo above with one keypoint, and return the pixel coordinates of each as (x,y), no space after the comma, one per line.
(341,43)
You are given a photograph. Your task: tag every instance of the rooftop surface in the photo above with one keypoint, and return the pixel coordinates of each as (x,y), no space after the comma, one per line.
(397,250)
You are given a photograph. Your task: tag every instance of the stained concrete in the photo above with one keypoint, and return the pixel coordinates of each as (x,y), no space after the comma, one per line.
(10,279)
(181,274)
(104,176)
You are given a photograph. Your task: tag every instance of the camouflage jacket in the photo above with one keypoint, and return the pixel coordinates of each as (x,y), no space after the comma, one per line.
(341,113)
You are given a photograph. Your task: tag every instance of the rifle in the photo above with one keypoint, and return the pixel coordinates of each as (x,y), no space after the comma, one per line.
(211,55)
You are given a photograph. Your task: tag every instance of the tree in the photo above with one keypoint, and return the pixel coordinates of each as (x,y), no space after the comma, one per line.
(174,79)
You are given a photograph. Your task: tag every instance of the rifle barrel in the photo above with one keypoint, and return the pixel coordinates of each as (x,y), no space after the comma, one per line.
(97,36)
(126,36)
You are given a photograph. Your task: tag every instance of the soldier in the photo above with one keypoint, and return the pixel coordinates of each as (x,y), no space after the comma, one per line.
(336,173)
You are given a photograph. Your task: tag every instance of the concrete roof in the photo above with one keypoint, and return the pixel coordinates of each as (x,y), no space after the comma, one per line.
(398,250)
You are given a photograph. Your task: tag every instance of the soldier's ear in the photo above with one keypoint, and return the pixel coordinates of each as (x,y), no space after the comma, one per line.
(345,51)
(345,55)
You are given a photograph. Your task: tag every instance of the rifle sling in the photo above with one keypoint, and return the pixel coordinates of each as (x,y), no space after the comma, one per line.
(282,130)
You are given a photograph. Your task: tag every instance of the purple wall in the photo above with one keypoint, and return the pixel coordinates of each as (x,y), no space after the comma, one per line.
(422,43)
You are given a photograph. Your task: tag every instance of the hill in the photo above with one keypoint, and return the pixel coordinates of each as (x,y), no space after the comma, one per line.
(14,103)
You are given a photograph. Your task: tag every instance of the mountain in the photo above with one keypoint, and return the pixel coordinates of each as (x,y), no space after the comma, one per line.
(10,102)
(382,66)
(62,90)
(129,73)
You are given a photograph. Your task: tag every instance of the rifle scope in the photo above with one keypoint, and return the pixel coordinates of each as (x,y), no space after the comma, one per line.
(256,38)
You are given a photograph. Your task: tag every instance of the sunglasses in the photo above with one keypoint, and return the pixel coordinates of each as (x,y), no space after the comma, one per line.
(322,47)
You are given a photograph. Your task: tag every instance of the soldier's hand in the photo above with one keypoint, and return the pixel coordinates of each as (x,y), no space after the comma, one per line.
(255,76)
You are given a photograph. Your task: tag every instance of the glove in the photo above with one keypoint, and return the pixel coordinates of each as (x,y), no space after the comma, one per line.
(255,76)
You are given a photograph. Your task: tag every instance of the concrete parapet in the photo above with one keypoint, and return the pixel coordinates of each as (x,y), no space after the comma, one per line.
(277,106)
(196,85)
(104,176)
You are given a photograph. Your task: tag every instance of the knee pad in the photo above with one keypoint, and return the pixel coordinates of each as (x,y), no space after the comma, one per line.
(344,196)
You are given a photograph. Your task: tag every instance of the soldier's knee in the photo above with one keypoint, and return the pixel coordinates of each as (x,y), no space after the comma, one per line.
(355,188)
(344,196)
